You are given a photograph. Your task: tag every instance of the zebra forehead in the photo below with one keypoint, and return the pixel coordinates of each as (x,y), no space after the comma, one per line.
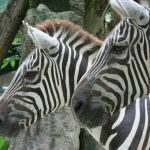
(51,26)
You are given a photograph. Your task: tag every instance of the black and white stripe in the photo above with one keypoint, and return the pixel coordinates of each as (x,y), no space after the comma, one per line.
(41,84)
(127,129)
(122,67)
(47,78)
(121,71)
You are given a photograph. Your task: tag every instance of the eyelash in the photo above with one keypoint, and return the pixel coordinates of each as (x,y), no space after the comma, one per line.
(118,49)
(30,75)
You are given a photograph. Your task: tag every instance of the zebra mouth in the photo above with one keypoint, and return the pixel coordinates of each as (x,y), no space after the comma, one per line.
(9,127)
(98,118)
(13,132)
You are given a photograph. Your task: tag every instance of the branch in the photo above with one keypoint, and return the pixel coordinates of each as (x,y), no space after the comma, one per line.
(11,20)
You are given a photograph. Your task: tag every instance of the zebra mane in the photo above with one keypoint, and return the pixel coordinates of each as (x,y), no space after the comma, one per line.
(53,25)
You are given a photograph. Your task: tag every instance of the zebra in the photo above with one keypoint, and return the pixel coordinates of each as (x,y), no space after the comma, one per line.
(120,72)
(15,104)
(128,128)
(46,80)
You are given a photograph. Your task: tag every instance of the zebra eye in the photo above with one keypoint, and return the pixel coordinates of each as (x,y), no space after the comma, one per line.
(30,74)
(118,49)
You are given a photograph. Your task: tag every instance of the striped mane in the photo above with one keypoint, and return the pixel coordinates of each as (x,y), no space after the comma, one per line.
(52,26)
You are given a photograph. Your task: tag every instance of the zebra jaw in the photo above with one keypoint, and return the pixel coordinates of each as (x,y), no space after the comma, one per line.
(9,126)
(40,39)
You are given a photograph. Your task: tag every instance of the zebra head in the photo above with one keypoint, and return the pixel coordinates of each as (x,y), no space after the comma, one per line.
(23,102)
(121,71)
(46,79)
(17,97)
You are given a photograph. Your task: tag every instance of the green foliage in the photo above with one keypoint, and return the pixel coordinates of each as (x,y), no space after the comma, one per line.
(3,143)
(17,39)
(10,60)
(108,16)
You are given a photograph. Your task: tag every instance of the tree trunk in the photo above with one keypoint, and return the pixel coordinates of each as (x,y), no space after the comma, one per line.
(94,10)
(10,22)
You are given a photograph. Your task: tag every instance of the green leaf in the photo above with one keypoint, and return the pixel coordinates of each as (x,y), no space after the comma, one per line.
(6,59)
(5,63)
(16,57)
(12,62)
(17,39)
(108,17)
(3,144)
(9,51)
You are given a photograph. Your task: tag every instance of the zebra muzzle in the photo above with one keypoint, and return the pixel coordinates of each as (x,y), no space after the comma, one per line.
(90,114)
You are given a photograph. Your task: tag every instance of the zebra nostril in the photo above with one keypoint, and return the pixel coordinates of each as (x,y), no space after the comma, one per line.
(78,106)
(2,119)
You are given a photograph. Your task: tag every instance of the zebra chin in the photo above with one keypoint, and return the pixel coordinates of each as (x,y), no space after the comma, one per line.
(91,115)
(91,122)
(9,127)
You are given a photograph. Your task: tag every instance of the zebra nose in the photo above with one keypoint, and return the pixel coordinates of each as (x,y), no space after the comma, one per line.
(79,102)
(78,105)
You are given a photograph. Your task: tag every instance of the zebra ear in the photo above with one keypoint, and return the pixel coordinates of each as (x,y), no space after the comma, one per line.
(131,10)
(40,39)
(145,3)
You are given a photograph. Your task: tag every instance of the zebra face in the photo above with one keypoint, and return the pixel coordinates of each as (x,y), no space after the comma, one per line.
(121,71)
(23,103)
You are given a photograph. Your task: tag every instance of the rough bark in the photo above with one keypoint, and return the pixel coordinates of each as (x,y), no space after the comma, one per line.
(93,11)
(57,5)
(94,14)
(78,6)
(10,22)
(33,3)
